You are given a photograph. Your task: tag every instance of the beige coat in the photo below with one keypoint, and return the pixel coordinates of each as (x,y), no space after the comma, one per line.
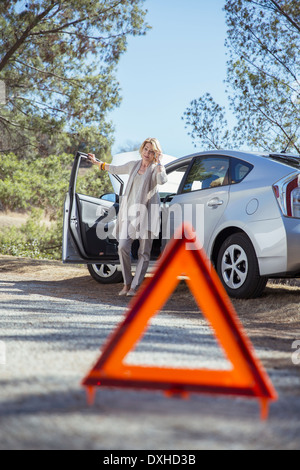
(148,198)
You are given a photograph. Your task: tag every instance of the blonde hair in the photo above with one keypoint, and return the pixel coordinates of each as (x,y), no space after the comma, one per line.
(155,145)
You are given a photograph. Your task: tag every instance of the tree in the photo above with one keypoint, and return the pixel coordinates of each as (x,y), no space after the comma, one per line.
(264,71)
(263,74)
(207,122)
(57,59)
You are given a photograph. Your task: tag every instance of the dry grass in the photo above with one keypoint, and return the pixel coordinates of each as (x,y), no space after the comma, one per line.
(16,219)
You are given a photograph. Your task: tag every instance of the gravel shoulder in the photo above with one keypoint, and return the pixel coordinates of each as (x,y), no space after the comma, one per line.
(55,318)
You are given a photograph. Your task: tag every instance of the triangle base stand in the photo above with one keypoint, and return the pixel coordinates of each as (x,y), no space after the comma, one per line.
(179,393)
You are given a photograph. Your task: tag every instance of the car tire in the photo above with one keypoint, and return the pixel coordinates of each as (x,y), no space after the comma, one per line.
(105,273)
(237,267)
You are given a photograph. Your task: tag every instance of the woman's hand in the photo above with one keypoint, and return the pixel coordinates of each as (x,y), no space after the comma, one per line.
(92,158)
(101,165)
(159,158)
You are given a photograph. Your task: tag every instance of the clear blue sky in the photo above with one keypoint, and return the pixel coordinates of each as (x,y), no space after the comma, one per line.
(181,58)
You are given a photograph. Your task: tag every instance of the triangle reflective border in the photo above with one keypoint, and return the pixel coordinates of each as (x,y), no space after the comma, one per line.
(247,378)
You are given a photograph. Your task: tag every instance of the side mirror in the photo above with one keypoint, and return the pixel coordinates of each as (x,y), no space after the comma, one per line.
(111,197)
(168,198)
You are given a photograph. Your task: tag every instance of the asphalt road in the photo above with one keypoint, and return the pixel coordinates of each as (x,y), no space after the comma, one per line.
(55,319)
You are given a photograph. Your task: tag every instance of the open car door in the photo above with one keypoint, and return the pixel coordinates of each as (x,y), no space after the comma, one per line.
(88,223)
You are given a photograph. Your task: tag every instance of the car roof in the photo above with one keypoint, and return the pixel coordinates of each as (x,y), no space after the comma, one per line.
(251,157)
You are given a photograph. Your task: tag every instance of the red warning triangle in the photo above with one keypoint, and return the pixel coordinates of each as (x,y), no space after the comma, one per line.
(247,378)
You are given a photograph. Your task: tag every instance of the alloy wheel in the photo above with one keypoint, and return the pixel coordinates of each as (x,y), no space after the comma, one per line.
(234,266)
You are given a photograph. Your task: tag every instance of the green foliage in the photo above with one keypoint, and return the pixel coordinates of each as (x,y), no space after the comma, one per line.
(34,239)
(43,183)
(57,59)
(38,187)
(94,183)
(33,183)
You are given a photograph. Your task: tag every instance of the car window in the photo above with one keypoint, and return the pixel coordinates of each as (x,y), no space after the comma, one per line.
(207,172)
(174,180)
(239,170)
(92,182)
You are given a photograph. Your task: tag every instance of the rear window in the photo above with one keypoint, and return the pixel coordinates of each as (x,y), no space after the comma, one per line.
(239,170)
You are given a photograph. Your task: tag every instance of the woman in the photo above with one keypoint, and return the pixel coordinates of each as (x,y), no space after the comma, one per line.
(139,214)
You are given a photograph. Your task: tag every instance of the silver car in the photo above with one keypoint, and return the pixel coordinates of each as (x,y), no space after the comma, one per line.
(244,207)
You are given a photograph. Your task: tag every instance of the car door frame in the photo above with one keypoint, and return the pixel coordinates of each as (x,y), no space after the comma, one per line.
(73,246)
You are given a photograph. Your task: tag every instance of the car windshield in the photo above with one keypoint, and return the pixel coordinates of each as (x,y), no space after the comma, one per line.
(291,160)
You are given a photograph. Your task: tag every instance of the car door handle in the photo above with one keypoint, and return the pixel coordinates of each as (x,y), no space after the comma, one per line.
(215,202)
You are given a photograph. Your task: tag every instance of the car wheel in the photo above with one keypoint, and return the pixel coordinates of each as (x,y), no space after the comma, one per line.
(105,273)
(237,267)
